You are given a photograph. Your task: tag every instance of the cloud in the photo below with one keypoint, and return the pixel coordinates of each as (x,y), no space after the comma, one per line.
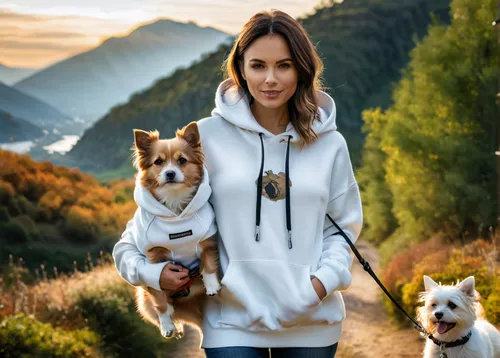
(55,35)
(8,15)
(38,40)
(8,29)
(36,33)
(38,45)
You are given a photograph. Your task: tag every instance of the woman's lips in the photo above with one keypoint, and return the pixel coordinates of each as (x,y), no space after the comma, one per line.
(271,94)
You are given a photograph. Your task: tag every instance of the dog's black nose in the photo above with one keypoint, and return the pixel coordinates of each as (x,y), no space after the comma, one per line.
(170,174)
(439,315)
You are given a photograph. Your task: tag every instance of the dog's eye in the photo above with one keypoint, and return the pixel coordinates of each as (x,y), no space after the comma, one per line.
(452,305)
(158,161)
(433,305)
(182,160)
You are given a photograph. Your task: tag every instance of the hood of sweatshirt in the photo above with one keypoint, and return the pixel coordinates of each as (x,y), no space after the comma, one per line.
(148,202)
(233,105)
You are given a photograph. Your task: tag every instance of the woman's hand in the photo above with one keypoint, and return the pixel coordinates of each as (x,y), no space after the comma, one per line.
(319,288)
(173,277)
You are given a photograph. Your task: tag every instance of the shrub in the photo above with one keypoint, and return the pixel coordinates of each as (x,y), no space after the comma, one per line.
(111,313)
(28,225)
(492,305)
(80,225)
(13,233)
(4,214)
(19,205)
(444,264)
(6,192)
(24,336)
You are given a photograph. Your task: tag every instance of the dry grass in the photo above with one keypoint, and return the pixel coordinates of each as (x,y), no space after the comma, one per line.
(53,300)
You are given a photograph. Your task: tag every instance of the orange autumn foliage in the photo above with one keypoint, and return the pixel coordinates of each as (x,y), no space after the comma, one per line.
(66,197)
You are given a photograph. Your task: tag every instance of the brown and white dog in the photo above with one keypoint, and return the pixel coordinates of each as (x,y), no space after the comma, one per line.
(172,171)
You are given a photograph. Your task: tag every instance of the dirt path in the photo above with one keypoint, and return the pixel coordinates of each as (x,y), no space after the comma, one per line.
(366,330)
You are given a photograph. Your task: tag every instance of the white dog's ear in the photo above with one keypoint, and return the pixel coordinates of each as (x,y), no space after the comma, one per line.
(467,286)
(429,283)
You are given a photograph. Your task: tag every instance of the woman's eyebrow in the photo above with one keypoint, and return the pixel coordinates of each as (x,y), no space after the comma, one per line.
(280,61)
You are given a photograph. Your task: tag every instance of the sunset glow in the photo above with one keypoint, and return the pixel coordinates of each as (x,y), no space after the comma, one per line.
(35,35)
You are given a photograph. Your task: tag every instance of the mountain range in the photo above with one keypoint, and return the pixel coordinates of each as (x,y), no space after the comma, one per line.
(365,45)
(16,129)
(12,75)
(33,110)
(87,85)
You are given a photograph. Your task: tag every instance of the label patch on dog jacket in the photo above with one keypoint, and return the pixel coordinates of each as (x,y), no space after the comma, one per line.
(180,234)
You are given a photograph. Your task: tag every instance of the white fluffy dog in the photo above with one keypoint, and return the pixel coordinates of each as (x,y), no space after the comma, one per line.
(456,322)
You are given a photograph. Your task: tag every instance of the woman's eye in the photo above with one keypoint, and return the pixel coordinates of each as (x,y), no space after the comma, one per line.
(452,305)
(257,66)
(285,65)
(158,161)
(182,160)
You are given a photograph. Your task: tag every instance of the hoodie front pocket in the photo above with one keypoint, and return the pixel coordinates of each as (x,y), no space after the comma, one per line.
(267,295)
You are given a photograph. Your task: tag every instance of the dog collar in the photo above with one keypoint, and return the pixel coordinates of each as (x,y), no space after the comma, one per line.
(456,343)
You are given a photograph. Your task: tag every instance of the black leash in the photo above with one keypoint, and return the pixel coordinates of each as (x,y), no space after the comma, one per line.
(368,269)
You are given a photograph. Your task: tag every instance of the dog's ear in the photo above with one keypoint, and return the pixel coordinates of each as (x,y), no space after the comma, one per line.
(190,134)
(144,139)
(429,283)
(467,286)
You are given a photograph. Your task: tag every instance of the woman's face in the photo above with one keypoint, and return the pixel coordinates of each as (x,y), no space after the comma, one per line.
(269,71)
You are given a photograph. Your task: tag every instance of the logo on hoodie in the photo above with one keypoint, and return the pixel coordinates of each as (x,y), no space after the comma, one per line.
(273,185)
(180,234)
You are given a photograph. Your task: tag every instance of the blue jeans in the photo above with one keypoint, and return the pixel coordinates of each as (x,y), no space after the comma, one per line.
(250,352)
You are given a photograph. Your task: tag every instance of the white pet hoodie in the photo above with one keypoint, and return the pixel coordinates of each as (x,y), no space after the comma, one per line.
(155,225)
(272,242)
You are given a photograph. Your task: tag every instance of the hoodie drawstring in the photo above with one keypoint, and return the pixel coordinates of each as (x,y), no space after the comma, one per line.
(287,178)
(287,188)
(259,190)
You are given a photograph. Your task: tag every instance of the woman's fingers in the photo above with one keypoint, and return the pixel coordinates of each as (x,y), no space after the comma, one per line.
(173,276)
(174,267)
(181,276)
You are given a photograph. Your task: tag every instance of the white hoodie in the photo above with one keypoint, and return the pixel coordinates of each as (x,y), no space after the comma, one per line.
(154,225)
(267,299)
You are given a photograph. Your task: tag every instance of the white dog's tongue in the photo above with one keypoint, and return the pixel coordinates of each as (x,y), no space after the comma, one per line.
(444,327)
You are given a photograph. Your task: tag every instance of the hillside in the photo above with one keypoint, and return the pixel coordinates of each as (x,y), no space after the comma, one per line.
(47,209)
(16,129)
(87,85)
(33,110)
(364,44)
(11,75)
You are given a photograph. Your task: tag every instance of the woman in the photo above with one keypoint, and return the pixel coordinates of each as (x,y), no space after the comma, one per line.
(283,264)
(277,166)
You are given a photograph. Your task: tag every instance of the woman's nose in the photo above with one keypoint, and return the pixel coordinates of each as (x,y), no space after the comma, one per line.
(270,78)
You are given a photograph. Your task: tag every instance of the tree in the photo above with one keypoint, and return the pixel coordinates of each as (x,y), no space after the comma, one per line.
(440,133)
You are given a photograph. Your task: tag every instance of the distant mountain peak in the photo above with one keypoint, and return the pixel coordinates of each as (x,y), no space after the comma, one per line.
(162,26)
(11,75)
(92,82)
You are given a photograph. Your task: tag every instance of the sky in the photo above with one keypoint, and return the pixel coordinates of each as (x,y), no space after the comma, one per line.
(35,33)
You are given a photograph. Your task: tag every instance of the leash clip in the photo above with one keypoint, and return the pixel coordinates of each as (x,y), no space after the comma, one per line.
(422,330)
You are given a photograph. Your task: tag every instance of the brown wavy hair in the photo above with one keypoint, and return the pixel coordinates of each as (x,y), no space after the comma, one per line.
(302,106)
